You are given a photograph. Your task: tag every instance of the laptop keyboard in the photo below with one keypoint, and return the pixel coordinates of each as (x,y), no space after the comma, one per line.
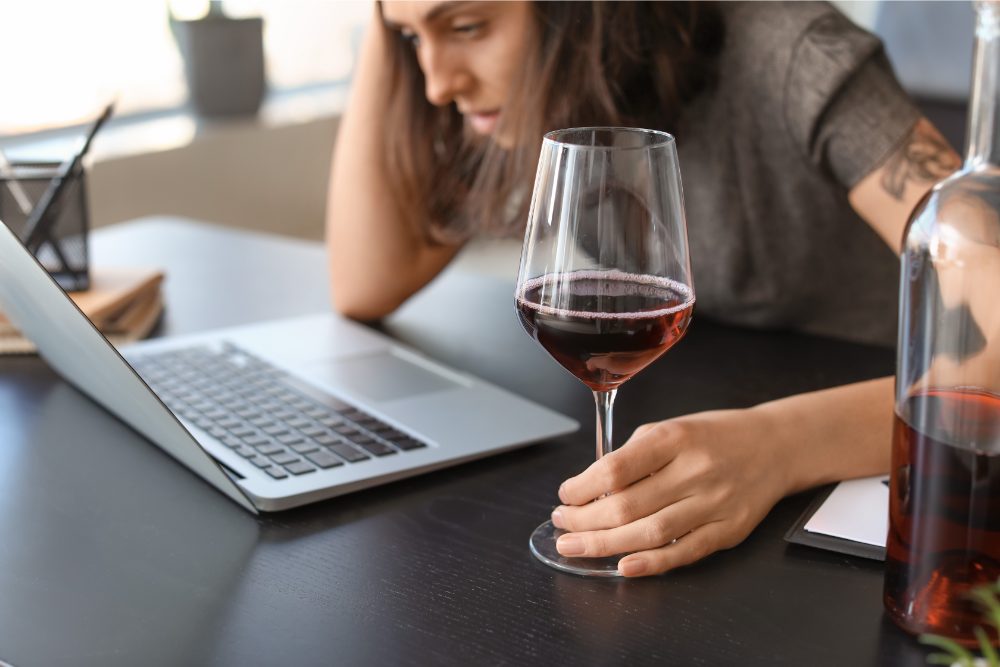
(282,426)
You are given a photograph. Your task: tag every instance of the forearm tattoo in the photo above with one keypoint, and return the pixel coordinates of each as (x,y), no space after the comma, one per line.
(924,157)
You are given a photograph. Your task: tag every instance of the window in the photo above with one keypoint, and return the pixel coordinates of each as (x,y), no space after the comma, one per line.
(73,57)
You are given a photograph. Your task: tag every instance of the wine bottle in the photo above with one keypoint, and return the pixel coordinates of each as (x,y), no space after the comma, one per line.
(944,505)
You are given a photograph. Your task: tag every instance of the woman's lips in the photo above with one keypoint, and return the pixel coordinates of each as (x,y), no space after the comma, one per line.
(483,122)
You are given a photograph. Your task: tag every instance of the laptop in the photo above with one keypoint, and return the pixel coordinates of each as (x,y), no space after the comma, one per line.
(278,414)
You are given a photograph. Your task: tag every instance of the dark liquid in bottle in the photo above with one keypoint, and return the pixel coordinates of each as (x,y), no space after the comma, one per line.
(944,512)
(604,327)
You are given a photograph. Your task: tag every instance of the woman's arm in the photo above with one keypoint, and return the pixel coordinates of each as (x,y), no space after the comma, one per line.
(378,257)
(886,197)
(686,487)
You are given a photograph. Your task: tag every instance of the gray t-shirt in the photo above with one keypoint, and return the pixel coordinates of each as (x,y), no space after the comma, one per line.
(804,107)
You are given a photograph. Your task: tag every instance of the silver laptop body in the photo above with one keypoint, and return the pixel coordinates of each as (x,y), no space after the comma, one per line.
(449,416)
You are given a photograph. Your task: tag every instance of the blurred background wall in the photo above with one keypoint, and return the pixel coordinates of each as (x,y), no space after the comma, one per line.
(269,171)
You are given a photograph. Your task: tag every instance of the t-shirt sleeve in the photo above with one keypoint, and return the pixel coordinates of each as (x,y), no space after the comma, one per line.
(841,101)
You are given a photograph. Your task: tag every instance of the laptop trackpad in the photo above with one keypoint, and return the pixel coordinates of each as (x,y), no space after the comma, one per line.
(381,376)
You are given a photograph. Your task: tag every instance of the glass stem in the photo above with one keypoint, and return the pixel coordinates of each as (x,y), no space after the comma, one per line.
(605,401)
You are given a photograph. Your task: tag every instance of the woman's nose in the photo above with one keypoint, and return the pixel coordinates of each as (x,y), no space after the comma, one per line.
(444,78)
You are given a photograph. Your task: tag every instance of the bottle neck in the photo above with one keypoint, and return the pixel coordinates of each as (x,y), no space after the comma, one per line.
(983,144)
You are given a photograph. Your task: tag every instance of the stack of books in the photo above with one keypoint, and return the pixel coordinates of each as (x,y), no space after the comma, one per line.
(123,303)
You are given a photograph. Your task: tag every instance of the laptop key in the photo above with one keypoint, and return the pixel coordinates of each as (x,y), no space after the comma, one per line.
(313,431)
(284,458)
(387,432)
(289,438)
(203,423)
(377,448)
(305,447)
(299,468)
(301,404)
(188,413)
(348,453)
(355,415)
(270,449)
(276,472)
(324,459)
(231,441)
(245,452)
(408,443)
(326,440)
(261,461)
(288,397)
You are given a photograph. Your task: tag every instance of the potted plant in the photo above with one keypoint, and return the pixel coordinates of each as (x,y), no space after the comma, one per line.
(223,61)
(956,655)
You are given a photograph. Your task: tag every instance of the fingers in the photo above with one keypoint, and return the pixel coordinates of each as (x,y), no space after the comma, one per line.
(651,532)
(647,496)
(649,449)
(692,547)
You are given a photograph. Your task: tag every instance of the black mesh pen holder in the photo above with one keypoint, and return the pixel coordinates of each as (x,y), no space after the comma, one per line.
(57,233)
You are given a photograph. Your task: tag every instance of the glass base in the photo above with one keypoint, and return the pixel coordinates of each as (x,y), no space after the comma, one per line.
(543,546)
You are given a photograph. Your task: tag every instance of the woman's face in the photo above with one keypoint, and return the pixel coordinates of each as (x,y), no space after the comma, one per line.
(468,51)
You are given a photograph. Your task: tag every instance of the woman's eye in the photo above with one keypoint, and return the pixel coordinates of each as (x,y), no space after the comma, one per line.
(468,28)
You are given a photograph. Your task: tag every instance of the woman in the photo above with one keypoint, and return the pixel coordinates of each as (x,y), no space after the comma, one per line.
(792,134)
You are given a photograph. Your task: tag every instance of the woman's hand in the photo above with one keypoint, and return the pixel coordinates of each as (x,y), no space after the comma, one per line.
(682,488)
(686,487)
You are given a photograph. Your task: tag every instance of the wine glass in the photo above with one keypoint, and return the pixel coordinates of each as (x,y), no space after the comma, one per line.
(604,284)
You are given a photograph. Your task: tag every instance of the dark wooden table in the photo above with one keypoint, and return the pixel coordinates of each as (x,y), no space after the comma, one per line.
(113,554)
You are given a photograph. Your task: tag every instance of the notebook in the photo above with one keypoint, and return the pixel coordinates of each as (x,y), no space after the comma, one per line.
(277,414)
(124,303)
(851,517)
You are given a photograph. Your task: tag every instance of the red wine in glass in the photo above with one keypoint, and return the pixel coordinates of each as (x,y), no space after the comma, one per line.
(608,325)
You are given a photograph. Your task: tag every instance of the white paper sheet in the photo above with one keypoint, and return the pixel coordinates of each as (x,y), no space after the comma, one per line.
(857,509)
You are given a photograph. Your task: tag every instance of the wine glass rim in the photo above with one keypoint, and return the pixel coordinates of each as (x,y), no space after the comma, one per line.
(552,137)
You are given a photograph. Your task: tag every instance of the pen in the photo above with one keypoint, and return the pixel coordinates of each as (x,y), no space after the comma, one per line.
(33,229)
(20,196)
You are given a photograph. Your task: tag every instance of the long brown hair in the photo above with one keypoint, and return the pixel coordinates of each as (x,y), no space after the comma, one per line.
(589,63)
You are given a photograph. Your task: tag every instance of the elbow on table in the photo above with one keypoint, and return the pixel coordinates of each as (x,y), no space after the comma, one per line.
(363,306)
